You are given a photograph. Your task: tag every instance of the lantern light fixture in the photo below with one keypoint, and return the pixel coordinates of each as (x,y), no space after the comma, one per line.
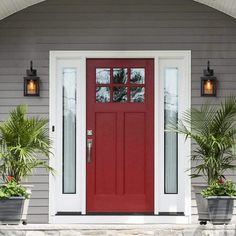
(208,82)
(31,82)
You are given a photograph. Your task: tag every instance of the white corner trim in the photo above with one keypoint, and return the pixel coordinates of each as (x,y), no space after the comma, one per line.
(158,56)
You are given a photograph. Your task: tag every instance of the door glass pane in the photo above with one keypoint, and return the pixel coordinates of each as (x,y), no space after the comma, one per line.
(69,130)
(171,138)
(137,76)
(102,94)
(120,94)
(102,76)
(120,75)
(137,94)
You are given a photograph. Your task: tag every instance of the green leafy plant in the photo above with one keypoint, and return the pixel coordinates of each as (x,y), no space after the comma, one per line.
(212,128)
(12,189)
(219,188)
(22,140)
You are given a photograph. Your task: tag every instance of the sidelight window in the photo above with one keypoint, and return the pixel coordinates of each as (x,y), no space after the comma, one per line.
(171,138)
(69,131)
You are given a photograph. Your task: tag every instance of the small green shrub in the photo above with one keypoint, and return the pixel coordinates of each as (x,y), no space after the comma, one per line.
(12,189)
(220,188)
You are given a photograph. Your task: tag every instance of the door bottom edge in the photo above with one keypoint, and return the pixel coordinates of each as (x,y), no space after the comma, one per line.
(120,213)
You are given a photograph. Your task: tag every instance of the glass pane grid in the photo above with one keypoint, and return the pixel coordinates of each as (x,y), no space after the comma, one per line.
(120,85)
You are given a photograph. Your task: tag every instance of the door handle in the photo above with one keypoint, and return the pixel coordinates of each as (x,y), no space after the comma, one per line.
(89,146)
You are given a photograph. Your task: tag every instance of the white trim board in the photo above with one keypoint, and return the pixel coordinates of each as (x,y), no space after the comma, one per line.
(180,59)
(117,219)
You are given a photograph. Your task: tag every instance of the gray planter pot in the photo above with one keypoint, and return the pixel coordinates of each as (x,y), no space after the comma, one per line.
(11,210)
(220,209)
(202,204)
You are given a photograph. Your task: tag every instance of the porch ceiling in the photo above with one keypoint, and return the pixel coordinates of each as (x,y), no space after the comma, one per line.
(8,7)
(226,6)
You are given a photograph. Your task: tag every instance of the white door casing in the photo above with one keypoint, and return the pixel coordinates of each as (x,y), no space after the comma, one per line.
(59,202)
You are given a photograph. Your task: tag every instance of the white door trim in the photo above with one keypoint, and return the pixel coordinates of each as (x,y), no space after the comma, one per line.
(184,57)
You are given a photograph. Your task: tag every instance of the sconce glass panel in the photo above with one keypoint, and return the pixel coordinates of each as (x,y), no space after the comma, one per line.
(208,87)
(31,86)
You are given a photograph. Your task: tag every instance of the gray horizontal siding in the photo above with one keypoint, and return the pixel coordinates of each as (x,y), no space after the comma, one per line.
(109,25)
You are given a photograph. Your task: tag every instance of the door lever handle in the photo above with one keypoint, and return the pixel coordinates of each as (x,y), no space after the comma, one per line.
(89,146)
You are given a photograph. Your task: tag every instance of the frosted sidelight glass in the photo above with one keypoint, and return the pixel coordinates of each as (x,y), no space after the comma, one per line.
(171,138)
(69,130)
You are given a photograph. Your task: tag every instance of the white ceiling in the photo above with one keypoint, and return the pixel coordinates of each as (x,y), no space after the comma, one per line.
(8,7)
(226,6)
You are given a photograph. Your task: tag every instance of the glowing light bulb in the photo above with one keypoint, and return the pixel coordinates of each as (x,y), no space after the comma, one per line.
(31,87)
(208,87)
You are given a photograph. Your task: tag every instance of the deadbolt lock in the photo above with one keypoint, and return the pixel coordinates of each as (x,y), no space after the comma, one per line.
(89,132)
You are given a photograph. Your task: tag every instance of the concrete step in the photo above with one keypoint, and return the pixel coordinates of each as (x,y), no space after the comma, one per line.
(117,230)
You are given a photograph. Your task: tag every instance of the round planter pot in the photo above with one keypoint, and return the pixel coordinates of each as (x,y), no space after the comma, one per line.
(11,210)
(220,209)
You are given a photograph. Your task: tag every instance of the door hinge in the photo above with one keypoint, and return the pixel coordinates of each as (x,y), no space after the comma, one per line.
(53,128)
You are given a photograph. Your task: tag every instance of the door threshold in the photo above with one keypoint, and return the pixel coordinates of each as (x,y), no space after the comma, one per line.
(121,213)
(120,219)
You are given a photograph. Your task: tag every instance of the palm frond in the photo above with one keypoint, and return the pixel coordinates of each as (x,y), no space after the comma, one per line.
(212,128)
(25,138)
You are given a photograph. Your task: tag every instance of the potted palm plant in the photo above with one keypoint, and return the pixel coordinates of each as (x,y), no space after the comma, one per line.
(212,130)
(23,140)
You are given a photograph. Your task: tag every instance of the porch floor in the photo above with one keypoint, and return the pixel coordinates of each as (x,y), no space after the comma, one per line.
(117,230)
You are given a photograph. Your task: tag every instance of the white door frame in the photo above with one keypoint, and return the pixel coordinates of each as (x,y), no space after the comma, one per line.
(182,59)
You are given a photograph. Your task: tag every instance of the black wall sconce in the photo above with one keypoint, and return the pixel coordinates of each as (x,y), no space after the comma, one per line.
(208,82)
(31,82)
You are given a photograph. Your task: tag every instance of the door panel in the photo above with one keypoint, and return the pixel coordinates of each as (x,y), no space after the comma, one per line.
(134,176)
(105,137)
(120,107)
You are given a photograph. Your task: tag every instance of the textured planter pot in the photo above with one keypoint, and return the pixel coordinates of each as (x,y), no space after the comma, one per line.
(26,203)
(220,209)
(11,210)
(202,204)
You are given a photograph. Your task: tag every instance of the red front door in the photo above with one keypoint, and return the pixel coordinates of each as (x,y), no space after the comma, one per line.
(120,123)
